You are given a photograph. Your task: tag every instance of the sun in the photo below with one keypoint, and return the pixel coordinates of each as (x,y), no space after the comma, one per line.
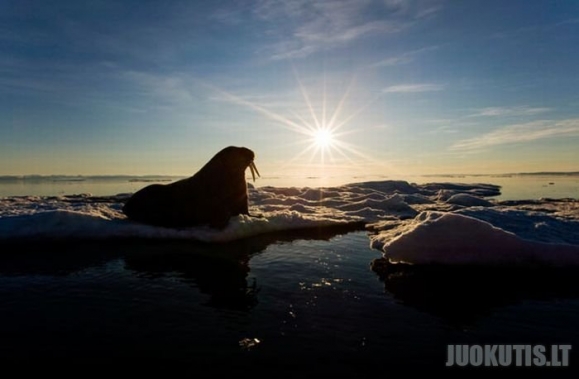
(323,138)
(324,131)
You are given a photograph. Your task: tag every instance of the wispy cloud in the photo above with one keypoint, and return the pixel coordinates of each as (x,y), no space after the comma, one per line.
(446,129)
(538,28)
(162,91)
(509,111)
(414,8)
(569,21)
(520,133)
(413,88)
(403,58)
(282,101)
(304,27)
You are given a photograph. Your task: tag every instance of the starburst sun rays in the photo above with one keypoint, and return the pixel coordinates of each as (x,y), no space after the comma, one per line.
(323,142)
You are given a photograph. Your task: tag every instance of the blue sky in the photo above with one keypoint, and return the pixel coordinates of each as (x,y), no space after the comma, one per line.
(407,87)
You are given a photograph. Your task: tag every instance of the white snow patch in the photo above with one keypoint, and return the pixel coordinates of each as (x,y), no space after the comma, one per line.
(452,238)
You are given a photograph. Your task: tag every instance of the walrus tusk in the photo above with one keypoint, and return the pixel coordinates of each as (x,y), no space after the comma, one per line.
(253,170)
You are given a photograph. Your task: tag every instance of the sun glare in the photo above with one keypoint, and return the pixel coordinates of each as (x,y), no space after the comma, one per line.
(324,132)
(323,138)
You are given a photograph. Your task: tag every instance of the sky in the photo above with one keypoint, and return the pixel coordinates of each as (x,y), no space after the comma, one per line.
(353,87)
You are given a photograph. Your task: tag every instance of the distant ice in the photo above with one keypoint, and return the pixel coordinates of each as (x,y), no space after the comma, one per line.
(445,223)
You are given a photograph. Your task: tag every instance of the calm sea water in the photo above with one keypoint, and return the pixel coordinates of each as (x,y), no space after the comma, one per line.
(300,303)
(294,303)
(514,187)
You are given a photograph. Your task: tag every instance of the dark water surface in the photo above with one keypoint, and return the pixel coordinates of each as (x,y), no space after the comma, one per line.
(294,303)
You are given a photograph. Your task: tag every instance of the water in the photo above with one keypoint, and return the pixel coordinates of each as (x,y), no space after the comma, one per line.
(301,303)
(304,303)
(514,187)
(71,185)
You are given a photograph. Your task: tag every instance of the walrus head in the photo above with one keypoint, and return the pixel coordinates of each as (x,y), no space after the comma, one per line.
(237,158)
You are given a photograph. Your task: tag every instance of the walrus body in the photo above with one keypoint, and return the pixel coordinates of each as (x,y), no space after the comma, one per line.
(210,197)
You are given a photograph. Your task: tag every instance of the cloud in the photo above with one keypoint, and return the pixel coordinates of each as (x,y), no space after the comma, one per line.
(303,27)
(227,16)
(414,8)
(403,58)
(509,111)
(268,101)
(393,61)
(569,21)
(446,129)
(413,88)
(160,91)
(520,133)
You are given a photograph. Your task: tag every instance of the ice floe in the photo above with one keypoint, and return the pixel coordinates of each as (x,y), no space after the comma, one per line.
(446,223)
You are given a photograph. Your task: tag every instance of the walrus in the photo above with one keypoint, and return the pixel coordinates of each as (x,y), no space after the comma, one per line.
(210,197)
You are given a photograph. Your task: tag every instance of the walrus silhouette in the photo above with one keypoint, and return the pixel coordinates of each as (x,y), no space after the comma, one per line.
(210,197)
